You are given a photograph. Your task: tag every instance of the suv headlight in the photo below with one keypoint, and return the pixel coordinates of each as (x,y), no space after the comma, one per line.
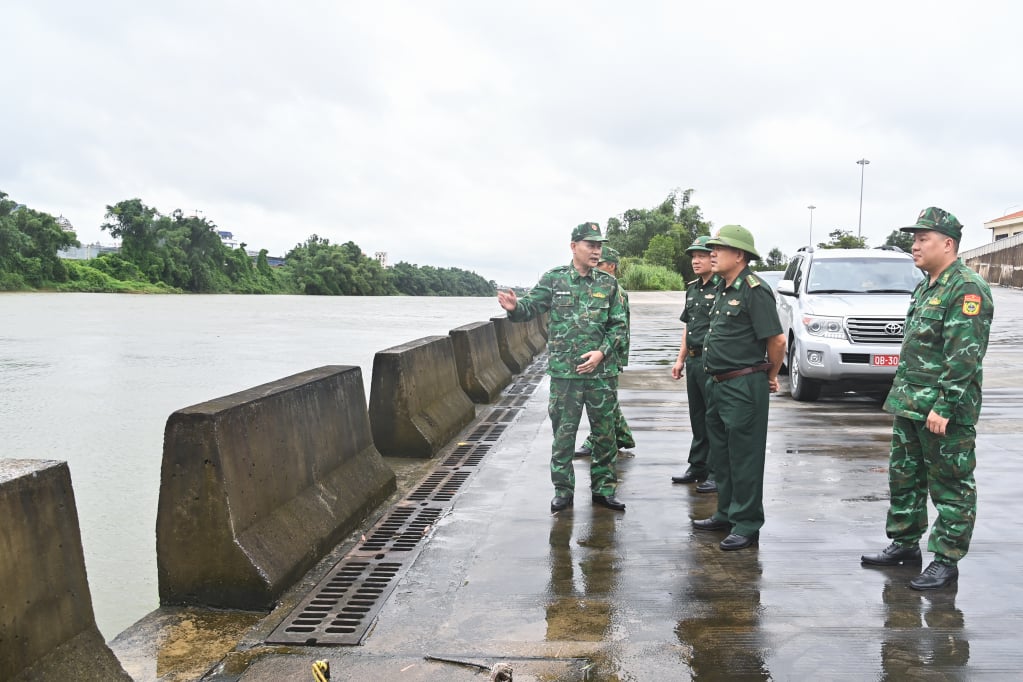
(826,327)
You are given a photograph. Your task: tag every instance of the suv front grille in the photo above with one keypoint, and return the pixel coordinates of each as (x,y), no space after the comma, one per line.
(876,329)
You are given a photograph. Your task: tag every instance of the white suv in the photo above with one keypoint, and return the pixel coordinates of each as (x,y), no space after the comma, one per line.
(843,312)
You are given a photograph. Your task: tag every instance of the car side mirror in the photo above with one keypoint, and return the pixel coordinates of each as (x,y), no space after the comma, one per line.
(786,287)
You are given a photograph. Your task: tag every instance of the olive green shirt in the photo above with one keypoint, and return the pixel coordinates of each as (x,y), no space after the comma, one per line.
(696,313)
(744,316)
(586,314)
(942,355)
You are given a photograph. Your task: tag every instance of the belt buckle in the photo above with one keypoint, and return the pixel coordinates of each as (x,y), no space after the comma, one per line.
(692,353)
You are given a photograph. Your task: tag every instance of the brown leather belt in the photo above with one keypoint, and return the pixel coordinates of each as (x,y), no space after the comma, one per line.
(762,367)
(695,352)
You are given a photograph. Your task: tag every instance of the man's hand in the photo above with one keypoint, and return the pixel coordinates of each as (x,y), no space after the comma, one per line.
(508,300)
(589,362)
(678,369)
(772,383)
(936,424)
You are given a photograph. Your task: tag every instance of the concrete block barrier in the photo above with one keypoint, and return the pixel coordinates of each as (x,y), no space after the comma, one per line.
(257,486)
(47,625)
(536,334)
(512,344)
(481,372)
(416,404)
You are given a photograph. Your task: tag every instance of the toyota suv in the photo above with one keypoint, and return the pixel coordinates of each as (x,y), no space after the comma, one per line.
(843,312)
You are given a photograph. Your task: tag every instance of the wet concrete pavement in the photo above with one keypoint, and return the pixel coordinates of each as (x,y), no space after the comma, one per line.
(599,595)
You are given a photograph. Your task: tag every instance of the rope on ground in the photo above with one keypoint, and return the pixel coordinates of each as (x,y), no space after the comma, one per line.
(321,671)
(500,672)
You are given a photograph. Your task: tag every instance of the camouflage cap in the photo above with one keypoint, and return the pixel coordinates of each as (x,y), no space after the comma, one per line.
(609,255)
(587,232)
(939,220)
(700,244)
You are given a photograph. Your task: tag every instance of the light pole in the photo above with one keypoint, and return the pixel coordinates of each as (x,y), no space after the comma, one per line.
(859,225)
(811,207)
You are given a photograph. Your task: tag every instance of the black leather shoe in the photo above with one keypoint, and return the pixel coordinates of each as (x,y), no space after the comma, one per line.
(711,524)
(893,555)
(708,486)
(561,502)
(934,576)
(609,501)
(734,541)
(583,451)
(690,476)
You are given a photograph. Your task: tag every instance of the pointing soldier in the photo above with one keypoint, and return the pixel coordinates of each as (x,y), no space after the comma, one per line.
(587,328)
(700,296)
(936,398)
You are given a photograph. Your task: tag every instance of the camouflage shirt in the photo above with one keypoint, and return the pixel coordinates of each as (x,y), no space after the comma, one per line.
(941,363)
(696,315)
(621,360)
(586,314)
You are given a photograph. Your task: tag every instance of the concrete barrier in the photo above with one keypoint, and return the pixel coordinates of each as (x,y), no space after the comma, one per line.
(47,625)
(511,342)
(481,372)
(416,404)
(257,486)
(536,334)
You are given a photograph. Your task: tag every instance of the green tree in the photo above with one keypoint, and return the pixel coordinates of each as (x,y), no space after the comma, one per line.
(903,240)
(660,251)
(843,239)
(775,260)
(29,243)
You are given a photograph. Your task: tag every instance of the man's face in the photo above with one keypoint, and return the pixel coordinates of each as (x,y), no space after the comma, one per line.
(608,267)
(701,263)
(586,254)
(724,260)
(931,250)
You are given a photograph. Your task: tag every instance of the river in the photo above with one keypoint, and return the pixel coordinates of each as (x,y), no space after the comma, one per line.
(91,379)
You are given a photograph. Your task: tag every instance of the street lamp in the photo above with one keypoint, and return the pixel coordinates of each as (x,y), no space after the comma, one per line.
(811,207)
(863,165)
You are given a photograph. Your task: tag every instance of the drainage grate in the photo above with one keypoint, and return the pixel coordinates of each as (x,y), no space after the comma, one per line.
(343,606)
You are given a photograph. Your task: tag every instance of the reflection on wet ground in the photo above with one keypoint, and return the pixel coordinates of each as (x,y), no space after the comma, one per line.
(597,595)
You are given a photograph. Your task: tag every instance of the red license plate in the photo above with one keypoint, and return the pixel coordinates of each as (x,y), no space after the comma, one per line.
(886,360)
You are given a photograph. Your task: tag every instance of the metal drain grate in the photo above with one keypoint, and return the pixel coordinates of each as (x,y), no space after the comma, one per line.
(343,606)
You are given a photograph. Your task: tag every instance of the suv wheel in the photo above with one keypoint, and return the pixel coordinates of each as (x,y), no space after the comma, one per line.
(803,389)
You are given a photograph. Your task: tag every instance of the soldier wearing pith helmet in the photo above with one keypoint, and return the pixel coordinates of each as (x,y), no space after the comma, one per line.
(742,354)
(586,331)
(936,399)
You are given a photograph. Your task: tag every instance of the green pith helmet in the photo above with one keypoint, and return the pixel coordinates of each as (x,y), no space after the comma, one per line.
(609,255)
(736,236)
(700,244)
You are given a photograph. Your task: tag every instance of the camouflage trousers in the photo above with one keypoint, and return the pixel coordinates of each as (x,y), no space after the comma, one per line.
(921,462)
(568,398)
(623,434)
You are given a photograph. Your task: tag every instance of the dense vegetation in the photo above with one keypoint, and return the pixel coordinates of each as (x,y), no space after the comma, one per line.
(179,253)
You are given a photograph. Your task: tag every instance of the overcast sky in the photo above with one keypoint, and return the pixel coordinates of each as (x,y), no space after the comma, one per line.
(476,134)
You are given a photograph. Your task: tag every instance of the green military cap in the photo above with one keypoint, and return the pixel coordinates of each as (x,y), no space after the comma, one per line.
(609,255)
(587,232)
(939,220)
(700,244)
(737,237)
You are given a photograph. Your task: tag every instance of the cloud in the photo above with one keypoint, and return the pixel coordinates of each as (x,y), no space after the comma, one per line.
(475,136)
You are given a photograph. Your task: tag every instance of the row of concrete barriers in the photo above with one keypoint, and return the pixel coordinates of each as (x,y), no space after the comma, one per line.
(255,488)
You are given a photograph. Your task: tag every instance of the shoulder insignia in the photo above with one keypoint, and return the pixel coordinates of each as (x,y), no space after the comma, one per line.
(689,284)
(734,301)
(971,304)
(753,280)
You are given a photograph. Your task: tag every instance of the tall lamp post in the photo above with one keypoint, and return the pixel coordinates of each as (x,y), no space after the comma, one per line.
(859,226)
(811,207)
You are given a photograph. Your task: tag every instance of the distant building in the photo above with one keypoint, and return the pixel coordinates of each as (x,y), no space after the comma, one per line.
(1006,226)
(87,251)
(65,224)
(381,257)
(228,239)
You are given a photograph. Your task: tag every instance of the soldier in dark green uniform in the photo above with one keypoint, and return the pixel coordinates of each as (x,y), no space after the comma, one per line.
(587,325)
(936,400)
(609,263)
(744,330)
(700,295)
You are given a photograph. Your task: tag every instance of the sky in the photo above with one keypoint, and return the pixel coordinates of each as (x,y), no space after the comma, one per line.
(477,134)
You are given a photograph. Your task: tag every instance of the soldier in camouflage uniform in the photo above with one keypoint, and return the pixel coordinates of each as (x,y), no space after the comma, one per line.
(587,324)
(609,263)
(936,400)
(700,295)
